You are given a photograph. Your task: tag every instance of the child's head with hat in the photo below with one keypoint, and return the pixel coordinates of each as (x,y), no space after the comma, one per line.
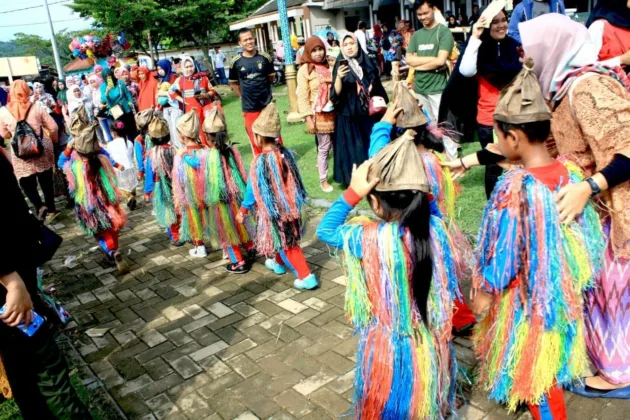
(215,128)
(158,131)
(522,119)
(188,128)
(266,128)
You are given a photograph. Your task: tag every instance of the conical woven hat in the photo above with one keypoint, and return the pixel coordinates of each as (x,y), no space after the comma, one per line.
(143,118)
(412,115)
(214,122)
(188,125)
(158,128)
(268,122)
(399,166)
(80,121)
(87,141)
(522,100)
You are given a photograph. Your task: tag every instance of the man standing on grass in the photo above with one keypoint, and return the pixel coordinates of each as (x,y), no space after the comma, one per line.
(428,53)
(251,75)
(219,65)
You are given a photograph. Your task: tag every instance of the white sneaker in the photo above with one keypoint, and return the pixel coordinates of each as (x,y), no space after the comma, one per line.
(198,252)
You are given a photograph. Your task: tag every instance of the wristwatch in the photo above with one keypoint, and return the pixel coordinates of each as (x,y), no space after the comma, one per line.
(594,187)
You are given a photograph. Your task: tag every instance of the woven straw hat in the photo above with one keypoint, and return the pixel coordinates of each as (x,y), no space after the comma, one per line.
(399,166)
(522,101)
(80,121)
(143,118)
(268,122)
(188,125)
(87,141)
(158,128)
(412,115)
(214,122)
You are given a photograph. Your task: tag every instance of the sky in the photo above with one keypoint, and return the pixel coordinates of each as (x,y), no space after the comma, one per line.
(34,21)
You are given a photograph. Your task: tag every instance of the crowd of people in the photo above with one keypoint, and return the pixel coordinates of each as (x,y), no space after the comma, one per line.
(549,274)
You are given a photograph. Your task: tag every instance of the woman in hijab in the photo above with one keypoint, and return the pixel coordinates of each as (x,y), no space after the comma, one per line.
(37,170)
(171,108)
(117,100)
(193,90)
(147,89)
(609,26)
(123,73)
(355,79)
(62,92)
(591,107)
(313,90)
(43,99)
(165,72)
(76,98)
(490,62)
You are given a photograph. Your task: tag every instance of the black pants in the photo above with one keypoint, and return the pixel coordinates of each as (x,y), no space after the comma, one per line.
(493,171)
(29,186)
(37,370)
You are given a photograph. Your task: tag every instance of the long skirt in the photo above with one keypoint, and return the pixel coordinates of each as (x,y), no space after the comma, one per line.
(351,146)
(607,320)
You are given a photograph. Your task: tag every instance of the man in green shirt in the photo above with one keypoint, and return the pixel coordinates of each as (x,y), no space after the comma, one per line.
(428,53)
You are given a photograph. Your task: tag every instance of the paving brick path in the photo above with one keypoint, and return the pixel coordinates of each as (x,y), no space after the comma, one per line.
(186,340)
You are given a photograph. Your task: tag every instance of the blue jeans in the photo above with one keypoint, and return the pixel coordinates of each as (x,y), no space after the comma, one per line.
(222,79)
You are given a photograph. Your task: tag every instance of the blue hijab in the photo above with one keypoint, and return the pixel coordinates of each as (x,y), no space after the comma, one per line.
(165,65)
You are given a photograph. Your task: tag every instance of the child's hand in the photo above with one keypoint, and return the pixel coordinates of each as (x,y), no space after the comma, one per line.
(457,170)
(481,302)
(391,115)
(240,217)
(359,182)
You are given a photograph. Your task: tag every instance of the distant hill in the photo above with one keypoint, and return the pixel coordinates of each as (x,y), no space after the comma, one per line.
(11,49)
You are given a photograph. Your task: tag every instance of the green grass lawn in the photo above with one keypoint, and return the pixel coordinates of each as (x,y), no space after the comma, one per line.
(469,204)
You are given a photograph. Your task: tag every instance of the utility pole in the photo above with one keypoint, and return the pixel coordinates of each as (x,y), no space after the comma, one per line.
(290,73)
(53,40)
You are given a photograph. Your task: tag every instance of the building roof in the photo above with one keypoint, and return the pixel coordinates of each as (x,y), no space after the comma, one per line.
(337,4)
(272,6)
(77,65)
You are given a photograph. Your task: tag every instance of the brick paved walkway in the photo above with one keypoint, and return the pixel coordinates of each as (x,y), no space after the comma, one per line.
(188,341)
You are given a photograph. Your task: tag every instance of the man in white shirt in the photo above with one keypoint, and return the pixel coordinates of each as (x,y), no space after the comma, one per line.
(219,60)
(361,36)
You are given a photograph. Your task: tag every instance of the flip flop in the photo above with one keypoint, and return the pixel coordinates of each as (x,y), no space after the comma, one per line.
(579,387)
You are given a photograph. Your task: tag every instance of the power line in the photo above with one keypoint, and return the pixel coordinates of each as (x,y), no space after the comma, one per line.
(31,7)
(39,23)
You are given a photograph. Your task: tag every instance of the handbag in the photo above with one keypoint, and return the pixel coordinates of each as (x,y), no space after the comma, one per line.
(376,104)
(48,242)
(27,144)
(116,112)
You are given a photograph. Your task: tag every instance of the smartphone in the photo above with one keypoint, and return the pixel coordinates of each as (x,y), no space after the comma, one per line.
(343,62)
(36,322)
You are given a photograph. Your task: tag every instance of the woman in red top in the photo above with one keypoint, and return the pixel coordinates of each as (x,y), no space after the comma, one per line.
(492,60)
(609,27)
(193,90)
(147,89)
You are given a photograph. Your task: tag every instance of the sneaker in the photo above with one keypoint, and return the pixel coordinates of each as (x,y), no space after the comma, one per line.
(275,267)
(198,252)
(121,264)
(251,256)
(132,204)
(237,268)
(308,283)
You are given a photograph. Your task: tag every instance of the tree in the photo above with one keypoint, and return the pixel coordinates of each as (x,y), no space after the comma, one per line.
(42,48)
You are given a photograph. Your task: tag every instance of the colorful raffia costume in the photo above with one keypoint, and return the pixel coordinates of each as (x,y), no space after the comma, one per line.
(405,364)
(142,143)
(92,185)
(275,187)
(531,341)
(159,178)
(226,189)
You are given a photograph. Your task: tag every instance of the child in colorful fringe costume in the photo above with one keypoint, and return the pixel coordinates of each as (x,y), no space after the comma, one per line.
(121,150)
(276,188)
(228,182)
(443,189)
(191,177)
(142,143)
(92,184)
(531,271)
(397,296)
(158,185)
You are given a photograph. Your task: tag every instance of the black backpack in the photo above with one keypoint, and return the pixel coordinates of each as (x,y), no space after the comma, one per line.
(26,143)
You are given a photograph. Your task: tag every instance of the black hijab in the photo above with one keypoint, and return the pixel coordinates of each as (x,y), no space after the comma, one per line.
(616,12)
(497,61)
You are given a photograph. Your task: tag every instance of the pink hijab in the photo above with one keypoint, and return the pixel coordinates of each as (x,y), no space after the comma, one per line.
(562,51)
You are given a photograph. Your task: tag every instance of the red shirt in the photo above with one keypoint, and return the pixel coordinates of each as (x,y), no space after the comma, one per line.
(488,98)
(615,42)
(552,175)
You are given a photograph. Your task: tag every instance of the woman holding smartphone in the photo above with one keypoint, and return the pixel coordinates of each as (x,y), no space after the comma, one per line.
(356,79)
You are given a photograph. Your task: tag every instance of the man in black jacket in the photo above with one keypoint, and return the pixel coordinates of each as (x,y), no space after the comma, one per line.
(35,367)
